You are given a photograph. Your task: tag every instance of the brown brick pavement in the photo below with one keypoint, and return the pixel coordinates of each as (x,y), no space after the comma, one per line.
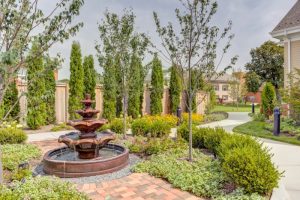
(135,187)
(132,187)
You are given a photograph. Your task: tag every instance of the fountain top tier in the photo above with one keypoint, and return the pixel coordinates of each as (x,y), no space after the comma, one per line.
(88,125)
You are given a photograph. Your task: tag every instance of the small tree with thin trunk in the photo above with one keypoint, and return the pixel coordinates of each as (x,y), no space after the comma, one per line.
(194,47)
(157,87)
(89,76)
(76,83)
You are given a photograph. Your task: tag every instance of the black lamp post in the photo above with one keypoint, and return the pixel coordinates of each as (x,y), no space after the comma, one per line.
(179,113)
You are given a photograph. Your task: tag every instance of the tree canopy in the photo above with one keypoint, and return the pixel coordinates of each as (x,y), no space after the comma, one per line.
(267,62)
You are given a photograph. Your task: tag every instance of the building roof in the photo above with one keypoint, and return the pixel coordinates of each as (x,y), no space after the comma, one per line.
(291,19)
(223,78)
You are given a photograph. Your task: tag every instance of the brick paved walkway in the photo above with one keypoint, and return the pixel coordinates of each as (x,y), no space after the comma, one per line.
(132,187)
(135,187)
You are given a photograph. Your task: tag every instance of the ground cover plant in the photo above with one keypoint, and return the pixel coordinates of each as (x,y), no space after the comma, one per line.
(41,188)
(242,158)
(203,177)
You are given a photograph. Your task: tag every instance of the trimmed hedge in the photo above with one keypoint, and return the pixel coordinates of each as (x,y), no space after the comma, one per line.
(243,159)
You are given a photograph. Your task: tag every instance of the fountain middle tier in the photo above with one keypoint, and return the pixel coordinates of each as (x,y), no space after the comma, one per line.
(87,148)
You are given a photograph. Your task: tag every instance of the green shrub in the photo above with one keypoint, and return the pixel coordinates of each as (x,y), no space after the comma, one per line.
(160,128)
(259,117)
(252,169)
(239,194)
(12,136)
(41,188)
(157,145)
(19,174)
(213,138)
(117,125)
(15,154)
(140,127)
(268,99)
(235,141)
(209,138)
(104,127)
(61,127)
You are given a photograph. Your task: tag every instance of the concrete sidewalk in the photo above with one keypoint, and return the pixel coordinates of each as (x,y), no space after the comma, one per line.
(46,136)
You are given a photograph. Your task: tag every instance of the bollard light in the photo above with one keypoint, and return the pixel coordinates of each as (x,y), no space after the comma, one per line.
(179,113)
(276,130)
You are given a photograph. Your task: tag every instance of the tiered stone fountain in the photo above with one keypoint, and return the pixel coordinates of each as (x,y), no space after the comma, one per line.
(88,152)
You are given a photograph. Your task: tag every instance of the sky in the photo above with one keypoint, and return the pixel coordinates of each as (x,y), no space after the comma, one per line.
(253,20)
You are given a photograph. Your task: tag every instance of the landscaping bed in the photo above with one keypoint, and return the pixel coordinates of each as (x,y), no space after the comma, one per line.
(260,128)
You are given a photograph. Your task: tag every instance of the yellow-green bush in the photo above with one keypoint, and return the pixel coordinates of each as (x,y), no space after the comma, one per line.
(252,169)
(141,127)
(12,135)
(117,125)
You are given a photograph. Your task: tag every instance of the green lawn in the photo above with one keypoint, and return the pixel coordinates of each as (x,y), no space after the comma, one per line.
(257,129)
(232,108)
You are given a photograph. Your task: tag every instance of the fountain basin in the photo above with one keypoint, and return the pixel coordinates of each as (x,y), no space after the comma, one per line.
(64,162)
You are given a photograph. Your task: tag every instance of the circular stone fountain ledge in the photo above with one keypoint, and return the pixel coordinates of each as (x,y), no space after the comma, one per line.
(70,169)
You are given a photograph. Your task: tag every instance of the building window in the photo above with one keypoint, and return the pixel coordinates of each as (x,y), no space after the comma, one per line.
(216,87)
(225,97)
(225,87)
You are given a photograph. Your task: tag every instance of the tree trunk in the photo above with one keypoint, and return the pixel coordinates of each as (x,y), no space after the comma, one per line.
(278,96)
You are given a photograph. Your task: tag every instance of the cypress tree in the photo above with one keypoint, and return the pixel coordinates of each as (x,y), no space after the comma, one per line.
(175,89)
(11,102)
(268,99)
(135,87)
(109,89)
(76,81)
(89,76)
(36,115)
(50,85)
(157,87)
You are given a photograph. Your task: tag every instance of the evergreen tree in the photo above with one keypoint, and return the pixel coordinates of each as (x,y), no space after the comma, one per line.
(268,99)
(157,87)
(175,89)
(134,87)
(36,115)
(89,76)
(50,84)
(76,81)
(109,89)
(11,106)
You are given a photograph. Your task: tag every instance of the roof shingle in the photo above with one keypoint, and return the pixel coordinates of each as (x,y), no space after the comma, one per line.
(292,18)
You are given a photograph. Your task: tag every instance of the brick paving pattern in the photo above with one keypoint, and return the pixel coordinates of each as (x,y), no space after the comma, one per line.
(133,187)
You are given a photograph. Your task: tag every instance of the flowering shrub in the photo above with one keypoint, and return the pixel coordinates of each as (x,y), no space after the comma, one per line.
(154,126)
(11,133)
(197,119)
